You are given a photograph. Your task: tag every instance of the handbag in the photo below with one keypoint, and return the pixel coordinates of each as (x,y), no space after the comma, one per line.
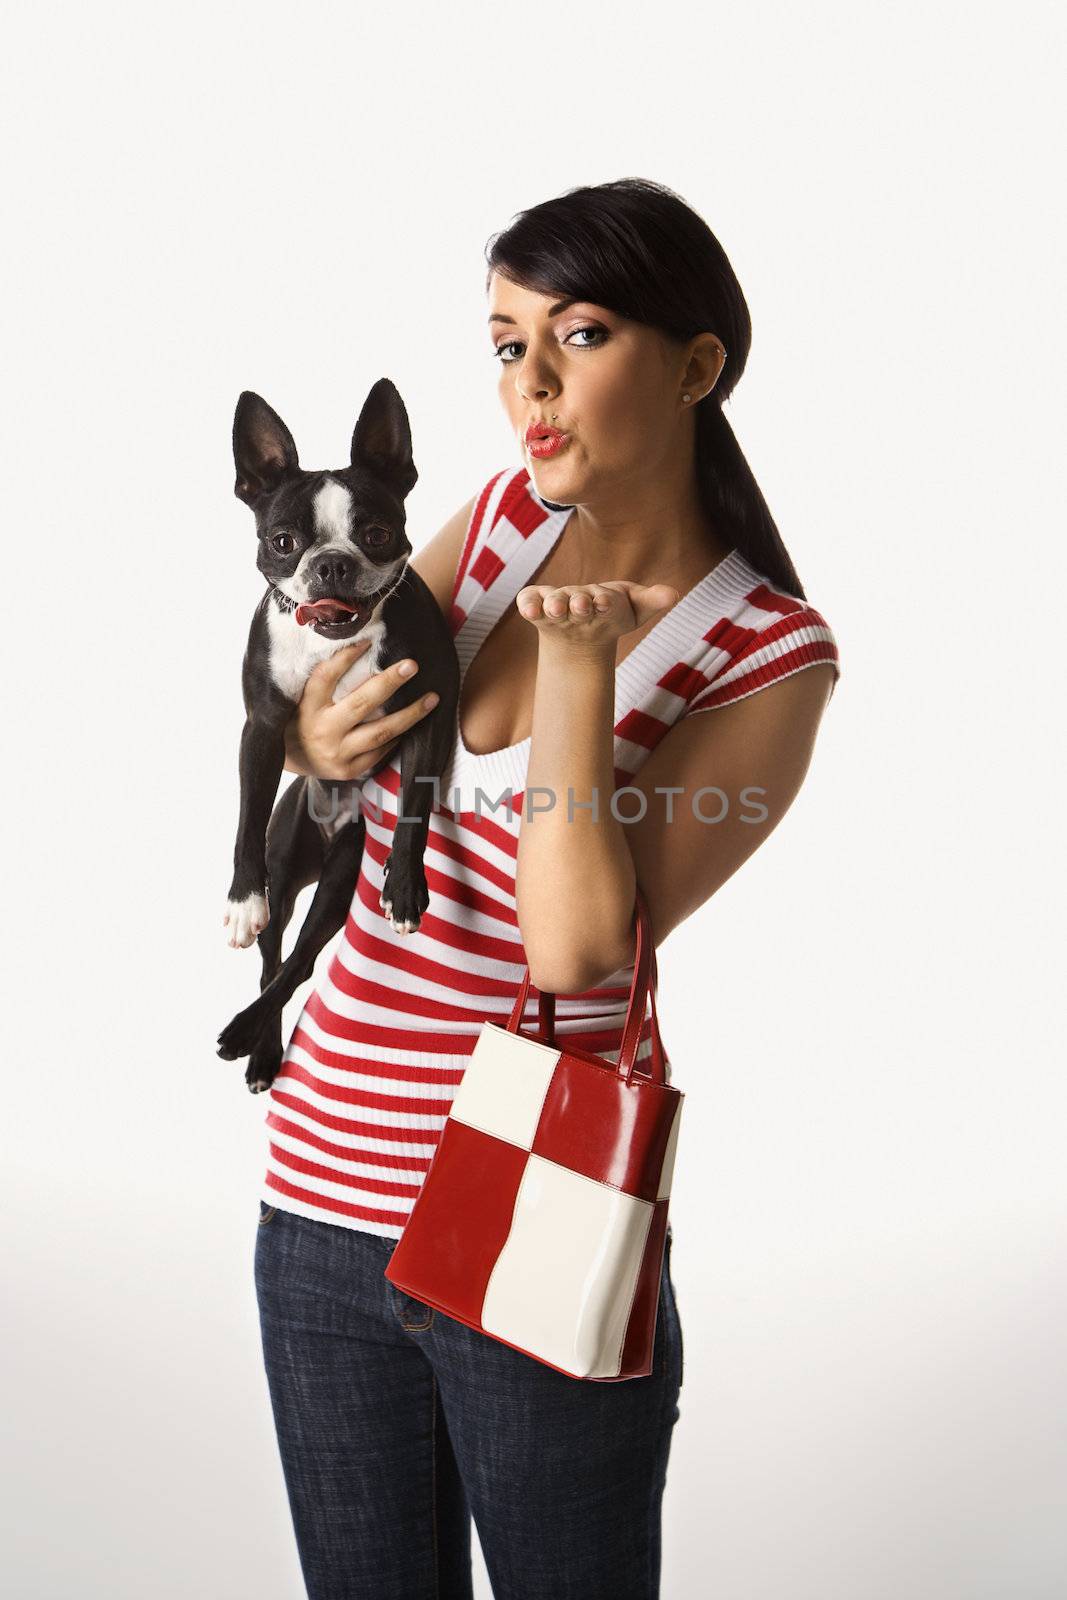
(542,1218)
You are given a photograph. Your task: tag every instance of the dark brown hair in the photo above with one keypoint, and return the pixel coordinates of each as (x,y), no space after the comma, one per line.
(636,248)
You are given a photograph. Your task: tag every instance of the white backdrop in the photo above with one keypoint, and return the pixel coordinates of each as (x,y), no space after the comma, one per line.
(870,1198)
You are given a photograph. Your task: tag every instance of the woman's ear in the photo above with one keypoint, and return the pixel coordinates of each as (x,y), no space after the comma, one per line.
(707,357)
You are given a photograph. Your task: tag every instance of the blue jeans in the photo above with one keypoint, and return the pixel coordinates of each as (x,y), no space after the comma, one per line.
(396,1423)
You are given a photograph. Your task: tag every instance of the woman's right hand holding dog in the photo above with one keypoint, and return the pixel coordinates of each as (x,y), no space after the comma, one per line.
(334,741)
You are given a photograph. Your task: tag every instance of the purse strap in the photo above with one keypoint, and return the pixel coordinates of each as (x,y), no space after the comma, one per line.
(644,983)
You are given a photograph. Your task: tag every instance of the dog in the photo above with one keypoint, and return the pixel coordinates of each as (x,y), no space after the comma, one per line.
(333,548)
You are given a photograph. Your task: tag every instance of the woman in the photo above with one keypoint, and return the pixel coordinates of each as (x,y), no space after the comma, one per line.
(624,579)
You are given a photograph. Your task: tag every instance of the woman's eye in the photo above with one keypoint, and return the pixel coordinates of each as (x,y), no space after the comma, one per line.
(510,344)
(598,331)
(283,543)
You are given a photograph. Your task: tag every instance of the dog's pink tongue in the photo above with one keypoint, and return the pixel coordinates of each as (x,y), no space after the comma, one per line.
(324,611)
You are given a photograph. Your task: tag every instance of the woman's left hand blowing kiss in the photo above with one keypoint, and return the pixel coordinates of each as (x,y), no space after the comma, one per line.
(591,614)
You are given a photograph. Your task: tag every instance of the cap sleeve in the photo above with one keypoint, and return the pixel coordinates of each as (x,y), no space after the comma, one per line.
(801,638)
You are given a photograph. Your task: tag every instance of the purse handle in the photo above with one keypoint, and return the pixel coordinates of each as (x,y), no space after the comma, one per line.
(644,983)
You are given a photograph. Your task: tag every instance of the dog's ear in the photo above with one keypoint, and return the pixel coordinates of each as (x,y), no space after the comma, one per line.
(263,448)
(381,440)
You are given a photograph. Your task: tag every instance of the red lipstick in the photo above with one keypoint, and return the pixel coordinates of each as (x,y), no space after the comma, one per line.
(543,440)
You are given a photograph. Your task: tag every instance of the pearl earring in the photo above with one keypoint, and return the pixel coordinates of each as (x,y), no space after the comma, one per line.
(685,397)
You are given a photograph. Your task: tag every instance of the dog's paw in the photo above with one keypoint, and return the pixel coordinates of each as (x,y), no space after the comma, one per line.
(400,925)
(245,919)
(403,903)
(238,1038)
(262,1070)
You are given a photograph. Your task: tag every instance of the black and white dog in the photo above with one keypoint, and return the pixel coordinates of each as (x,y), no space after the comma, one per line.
(334,551)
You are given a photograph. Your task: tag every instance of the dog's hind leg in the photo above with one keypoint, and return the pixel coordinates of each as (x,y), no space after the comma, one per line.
(325,917)
(295,852)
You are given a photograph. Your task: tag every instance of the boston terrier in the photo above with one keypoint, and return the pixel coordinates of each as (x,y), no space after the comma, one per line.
(333,549)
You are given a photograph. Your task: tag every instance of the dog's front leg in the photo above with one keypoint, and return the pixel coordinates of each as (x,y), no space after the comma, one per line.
(423,757)
(261,763)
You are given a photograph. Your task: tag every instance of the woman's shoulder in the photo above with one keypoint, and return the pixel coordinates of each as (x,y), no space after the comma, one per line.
(760,633)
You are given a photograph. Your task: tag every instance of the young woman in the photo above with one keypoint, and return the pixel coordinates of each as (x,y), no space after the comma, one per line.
(624,579)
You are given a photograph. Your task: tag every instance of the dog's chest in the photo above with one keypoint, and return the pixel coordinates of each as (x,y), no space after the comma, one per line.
(295,651)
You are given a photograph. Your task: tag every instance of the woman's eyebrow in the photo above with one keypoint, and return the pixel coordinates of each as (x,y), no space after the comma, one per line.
(553,311)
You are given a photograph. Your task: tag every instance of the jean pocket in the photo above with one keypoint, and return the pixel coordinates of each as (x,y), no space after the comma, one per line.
(266,1212)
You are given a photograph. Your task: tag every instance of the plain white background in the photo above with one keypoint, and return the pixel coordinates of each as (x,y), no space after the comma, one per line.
(870,1199)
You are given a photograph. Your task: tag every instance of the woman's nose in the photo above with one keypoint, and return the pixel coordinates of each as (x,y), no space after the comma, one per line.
(537,380)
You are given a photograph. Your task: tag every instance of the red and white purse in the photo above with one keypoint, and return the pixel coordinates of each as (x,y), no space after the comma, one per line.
(542,1218)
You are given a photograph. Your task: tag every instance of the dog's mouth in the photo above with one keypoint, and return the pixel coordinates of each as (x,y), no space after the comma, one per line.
(336,619)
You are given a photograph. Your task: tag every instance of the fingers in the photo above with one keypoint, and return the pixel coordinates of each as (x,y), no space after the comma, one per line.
(323,679)
(347,737)
(374,691)
(369,737)
(614,598)
(581,601)
(360,766)
(590,600)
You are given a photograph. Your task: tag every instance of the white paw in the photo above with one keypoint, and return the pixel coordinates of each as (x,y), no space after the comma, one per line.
(398,927)
(245,919)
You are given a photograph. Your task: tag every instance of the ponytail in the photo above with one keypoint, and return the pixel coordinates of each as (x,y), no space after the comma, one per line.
(734,502)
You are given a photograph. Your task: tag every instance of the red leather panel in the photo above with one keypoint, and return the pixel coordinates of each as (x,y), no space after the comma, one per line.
(596,1123)
(463,1217)
(639,1344)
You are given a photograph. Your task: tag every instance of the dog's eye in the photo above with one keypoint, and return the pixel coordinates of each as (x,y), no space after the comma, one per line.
(376,537)
(283,543)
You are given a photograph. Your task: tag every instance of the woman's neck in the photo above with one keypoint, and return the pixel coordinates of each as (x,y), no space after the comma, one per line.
(668,539)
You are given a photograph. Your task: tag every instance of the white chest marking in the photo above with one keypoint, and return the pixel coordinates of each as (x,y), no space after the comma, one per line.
(296,650)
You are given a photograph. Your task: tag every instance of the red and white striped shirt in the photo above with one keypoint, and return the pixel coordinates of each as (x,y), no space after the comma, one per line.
(356,1110)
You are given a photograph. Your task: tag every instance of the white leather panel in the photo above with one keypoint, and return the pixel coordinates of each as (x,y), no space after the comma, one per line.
(503,1088)
(565,1280)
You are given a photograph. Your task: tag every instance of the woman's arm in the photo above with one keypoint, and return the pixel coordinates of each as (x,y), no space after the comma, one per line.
(574,882)
(575,878)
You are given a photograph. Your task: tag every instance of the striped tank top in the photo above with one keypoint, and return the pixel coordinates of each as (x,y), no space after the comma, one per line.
(357,1108)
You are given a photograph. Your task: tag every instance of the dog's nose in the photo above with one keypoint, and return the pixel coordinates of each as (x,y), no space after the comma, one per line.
(334,570)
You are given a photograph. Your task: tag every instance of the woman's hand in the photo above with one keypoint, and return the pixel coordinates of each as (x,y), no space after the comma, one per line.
(593,614)
(336,741)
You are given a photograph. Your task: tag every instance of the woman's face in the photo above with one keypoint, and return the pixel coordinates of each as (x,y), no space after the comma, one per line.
(614,387)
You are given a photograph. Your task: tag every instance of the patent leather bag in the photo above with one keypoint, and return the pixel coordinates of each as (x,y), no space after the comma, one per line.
(542,1219)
